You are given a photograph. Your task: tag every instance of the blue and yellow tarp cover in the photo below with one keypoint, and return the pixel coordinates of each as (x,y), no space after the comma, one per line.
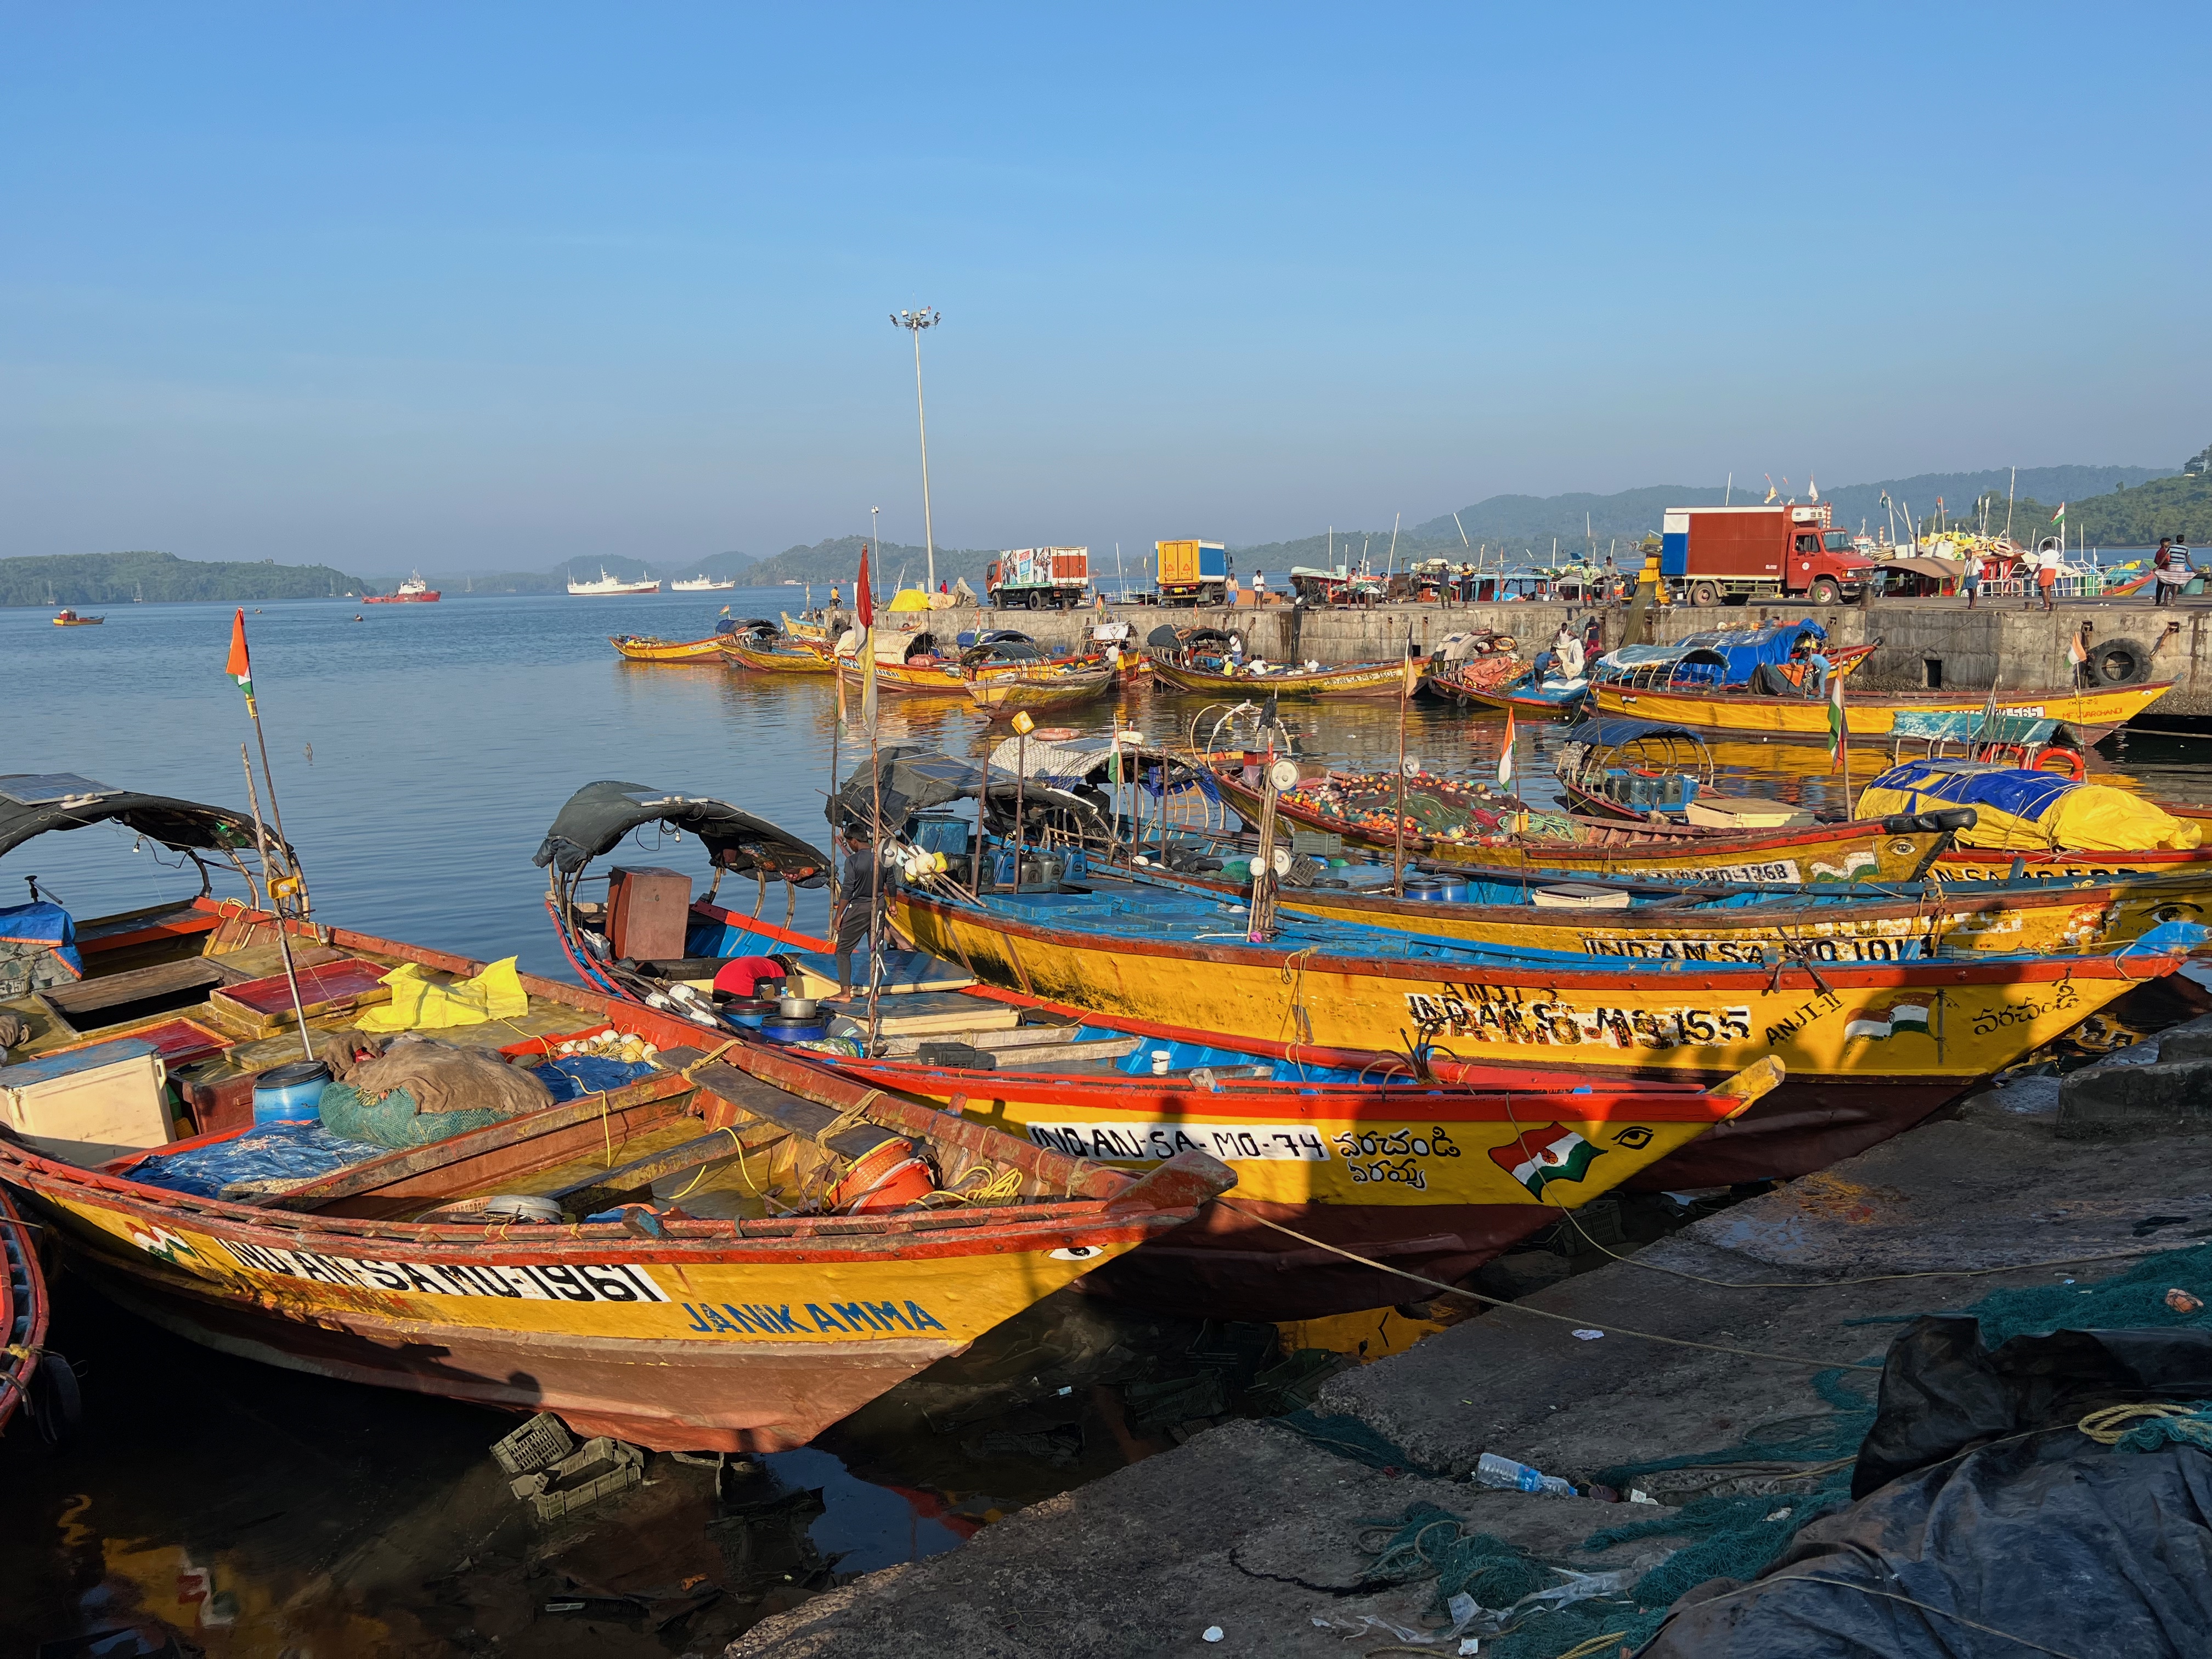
(2029,812)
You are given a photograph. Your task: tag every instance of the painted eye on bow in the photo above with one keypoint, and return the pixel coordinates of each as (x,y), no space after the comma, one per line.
(1078,1253)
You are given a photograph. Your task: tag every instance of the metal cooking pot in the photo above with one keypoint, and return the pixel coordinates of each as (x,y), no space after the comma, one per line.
(798,1007)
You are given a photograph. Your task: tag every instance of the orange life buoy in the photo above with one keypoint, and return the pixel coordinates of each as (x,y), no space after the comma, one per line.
(2075,764)
(1999,754)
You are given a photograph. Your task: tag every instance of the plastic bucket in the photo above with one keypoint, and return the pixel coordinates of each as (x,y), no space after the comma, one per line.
(291,1093)
(777,1029)
(1426,889)
(745,1011)
(889,1178)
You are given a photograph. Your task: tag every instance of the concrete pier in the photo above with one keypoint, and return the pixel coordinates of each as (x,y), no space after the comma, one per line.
(1252,1528)
(1926,644)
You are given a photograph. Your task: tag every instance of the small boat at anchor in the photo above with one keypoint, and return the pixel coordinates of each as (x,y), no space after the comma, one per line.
(645,647)
(70,619)
(1002,695)
(758,648)
(1350,679)
(2088,714)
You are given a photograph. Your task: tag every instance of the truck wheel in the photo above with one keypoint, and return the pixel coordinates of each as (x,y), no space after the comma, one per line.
(998,599)
(1706,593)
(1037,598)
(1826,592)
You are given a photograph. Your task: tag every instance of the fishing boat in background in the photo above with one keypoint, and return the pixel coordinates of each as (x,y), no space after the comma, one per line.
(701,584)
(413,591)
(1654,773)
(831,1241)
(771,654)
(645,647)
(906,664)
(1470,829)
(607,584)
(1530,694)
(1004,695)
(801,629)
(1350,679)
(2088,714)
(1757,657)
(1472,678)
(70,619)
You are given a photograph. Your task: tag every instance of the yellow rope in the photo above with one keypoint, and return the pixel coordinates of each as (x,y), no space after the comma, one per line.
(1597,1645)
(2107,1425)
(734,1141)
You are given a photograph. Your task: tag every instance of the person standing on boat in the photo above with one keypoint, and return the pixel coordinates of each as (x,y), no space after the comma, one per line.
(856,900)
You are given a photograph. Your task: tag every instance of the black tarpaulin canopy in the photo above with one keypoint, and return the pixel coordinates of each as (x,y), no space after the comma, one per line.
(32,802)
(599,815)
(915,779)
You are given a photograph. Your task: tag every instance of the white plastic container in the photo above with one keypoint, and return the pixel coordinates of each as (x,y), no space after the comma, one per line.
(89,1105)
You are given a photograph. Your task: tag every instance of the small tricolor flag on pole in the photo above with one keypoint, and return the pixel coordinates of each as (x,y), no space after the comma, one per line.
(241,666)
(2059,517)
(1839,727)
(1541,1156)
(2075,651)
(1505,753)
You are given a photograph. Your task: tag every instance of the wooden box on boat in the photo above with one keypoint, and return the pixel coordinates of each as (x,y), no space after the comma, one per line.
(1736,812)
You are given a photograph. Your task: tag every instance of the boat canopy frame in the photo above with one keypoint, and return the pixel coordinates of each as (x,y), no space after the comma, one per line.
(33,804)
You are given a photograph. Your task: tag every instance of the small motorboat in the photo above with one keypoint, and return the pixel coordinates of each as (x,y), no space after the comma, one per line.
(70,619)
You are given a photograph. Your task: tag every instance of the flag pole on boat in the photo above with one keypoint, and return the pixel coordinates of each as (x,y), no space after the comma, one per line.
(283,941)
(1398,827)
(240,668)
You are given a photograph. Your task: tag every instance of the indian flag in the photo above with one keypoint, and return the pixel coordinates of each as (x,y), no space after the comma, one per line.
(1879,1023)
(240,666)
(1839,727)
(2059,517)
(1505,752)
(1543,1156)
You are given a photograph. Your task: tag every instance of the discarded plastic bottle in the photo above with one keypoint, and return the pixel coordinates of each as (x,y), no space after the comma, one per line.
(1507,1475)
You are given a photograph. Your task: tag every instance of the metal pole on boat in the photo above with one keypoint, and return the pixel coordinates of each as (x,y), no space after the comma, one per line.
(1398,827)
(1023,726)
(982,805)
(284,942)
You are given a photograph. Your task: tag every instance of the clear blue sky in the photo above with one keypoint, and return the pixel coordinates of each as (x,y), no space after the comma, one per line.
(484,287)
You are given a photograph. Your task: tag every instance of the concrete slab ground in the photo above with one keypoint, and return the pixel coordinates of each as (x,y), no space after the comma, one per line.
(1254,1529)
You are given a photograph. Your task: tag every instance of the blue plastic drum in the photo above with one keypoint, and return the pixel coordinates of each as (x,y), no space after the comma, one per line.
(291,1094)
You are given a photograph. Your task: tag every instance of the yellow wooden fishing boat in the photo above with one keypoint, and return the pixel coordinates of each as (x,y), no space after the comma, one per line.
(643,647)
(1885,850)
(2071,919)
(1352,679)
(1005,695)
(527,1262)
(800,629)
(921,677)
(1869,1048)
(2089,713)
(796,657)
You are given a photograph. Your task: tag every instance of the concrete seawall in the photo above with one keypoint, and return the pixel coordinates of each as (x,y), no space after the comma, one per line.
(1926,644)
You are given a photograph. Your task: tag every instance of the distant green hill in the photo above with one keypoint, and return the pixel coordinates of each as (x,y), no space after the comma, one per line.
(2179,507)
(87,579)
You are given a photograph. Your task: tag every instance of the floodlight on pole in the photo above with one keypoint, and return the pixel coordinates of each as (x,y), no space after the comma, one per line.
(913,322)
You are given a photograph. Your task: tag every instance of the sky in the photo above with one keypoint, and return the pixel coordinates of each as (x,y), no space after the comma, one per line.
(496,286)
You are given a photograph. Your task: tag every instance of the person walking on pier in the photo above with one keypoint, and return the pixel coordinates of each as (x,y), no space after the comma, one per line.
(1970,579)
(2046,574)
(2171,569)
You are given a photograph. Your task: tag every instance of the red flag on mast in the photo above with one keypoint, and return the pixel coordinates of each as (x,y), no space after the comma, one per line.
(863,597)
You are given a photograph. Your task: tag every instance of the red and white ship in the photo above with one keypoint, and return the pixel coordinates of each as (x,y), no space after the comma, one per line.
(413,591)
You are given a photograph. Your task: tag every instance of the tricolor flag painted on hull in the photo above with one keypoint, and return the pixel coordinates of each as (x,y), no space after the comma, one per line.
(1881,1023)
(1543,1156)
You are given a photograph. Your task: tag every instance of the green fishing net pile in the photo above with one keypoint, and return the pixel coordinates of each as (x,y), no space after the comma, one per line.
(1739,1537)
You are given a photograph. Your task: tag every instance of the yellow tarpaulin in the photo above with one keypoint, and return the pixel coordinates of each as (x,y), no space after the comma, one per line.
(2053,813)
(910,599)
(419,1004)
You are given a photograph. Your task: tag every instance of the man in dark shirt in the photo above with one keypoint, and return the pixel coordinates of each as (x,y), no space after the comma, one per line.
(856,901)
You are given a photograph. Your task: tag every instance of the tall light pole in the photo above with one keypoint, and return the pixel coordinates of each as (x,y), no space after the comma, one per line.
(913,322)
(876,533)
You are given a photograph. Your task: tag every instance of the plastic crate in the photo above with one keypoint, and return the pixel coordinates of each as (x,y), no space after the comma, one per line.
(539,1444)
